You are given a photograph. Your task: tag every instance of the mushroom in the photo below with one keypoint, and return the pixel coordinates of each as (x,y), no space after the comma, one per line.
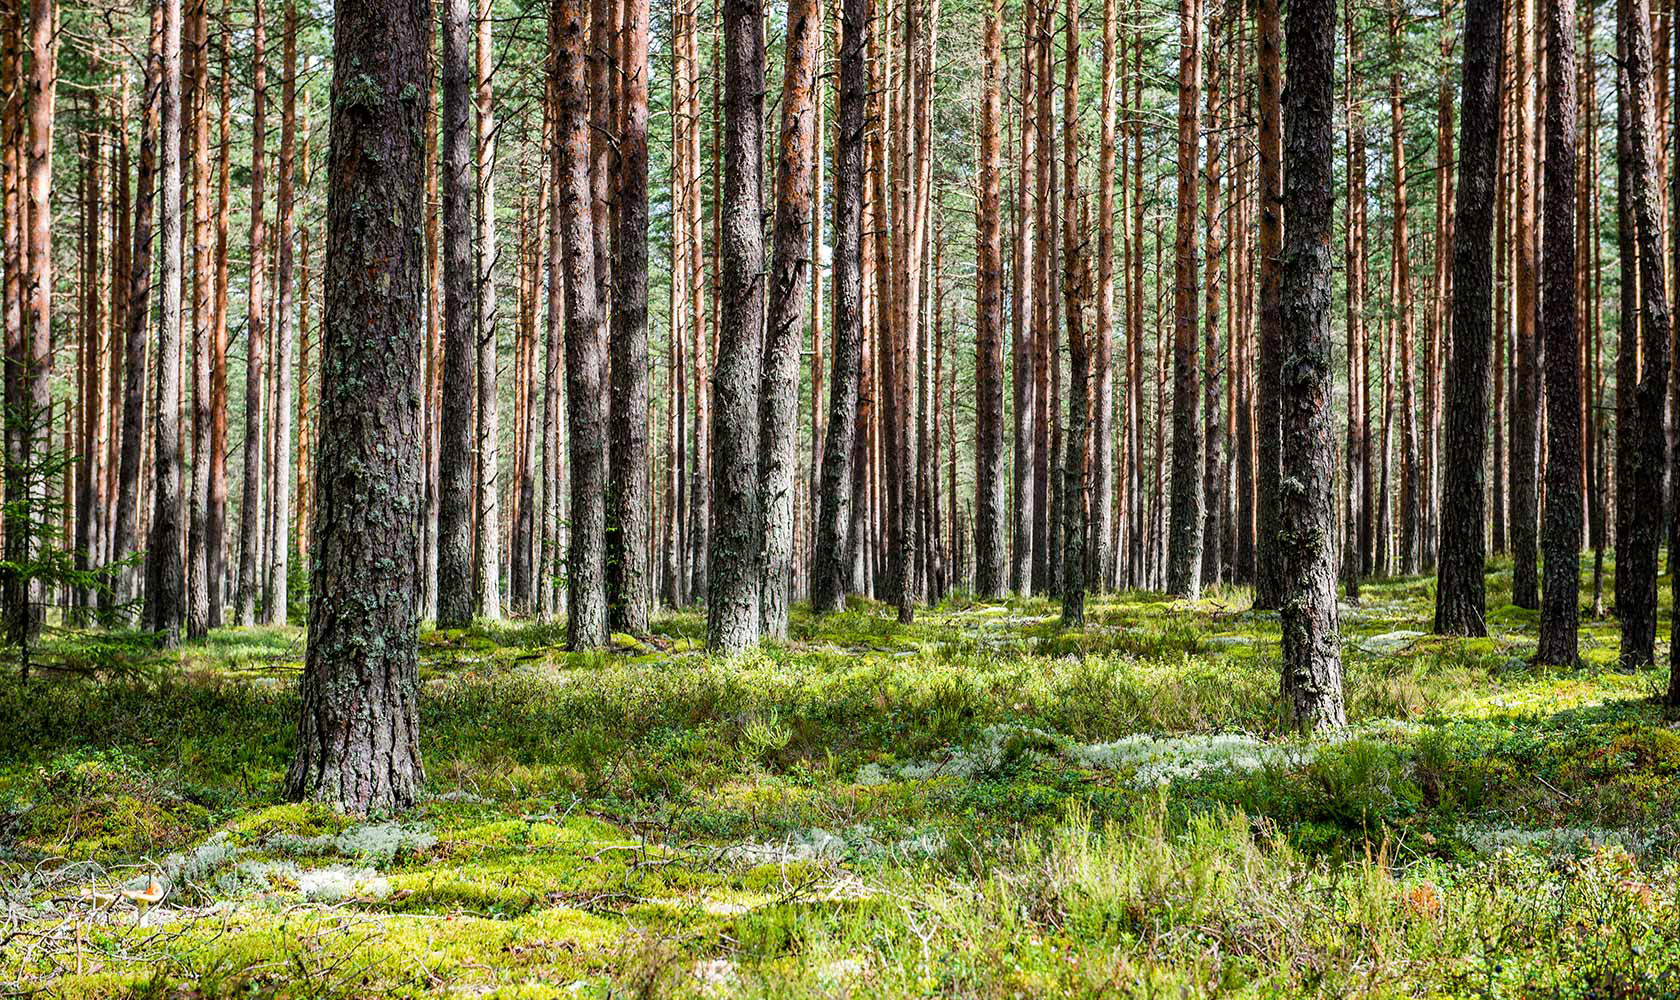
(143,898)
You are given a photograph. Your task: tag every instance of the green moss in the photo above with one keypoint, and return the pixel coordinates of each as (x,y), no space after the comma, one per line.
(877,809)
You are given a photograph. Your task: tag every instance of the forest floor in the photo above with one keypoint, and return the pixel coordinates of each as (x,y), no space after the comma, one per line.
(978,805)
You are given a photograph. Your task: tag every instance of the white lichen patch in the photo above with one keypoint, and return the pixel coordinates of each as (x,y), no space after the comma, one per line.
(1157,761)
(336,883)
(1390,642)
(1497,839)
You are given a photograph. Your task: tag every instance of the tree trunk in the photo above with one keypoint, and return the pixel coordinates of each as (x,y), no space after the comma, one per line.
(779,389)
(835,538)
(1312,661)
(198,504)
(990,544)
(1460,591)
(628,585)
(1525,400)
(280,473)
(1358,460)
(1643,450)
(1411,507)
(127,531)
(1024,292)
(216,517)
(1268,574)
(1184,559)
(732,622)
(1560,610)
(358,746)
(250,504)
(165,574)
(586,357)
(460,348)
(487,570)
(1101,559)
(1213,446)
(1075,278)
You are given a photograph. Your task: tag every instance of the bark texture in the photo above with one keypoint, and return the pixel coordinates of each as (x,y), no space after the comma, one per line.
(1184,542)
(1268,458)
(256,350)
(358,745)
(586,347)
(1460,589)
(789,272)
(990,543)
(1312,657)
(460,354)
(735,547)
(834,537)
(1643,367)
(1560,608)
(165,571)
(629,582)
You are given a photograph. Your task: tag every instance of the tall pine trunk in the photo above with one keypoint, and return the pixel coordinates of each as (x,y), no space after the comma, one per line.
(990,543)
(1312,662)
(628,519)
(1460,590)
(732,622)
(487,537)
(281,471)
(586,347)
(1645,337)
(789,270)
(250,504)
(1184,556)
(1560,610)
(460,348)
(1075,278)
(358,743)
(165,572)
(835,537)
(1268,576)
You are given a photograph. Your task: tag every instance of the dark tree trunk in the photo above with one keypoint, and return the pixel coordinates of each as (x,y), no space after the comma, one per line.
(1643,449)
(487,534)
(779,389)
(1460,590)
(165,572)
(1184,557)
(628,519)
(1312,659)
(1268,576)
(1075,277)
(1212,425)
(1560,609)
(127,534)
(460,348)
(732,601)
(1100,559)
(250,504)
(835,540)
(990,543)
(1025,389)
(358,745)
(198,503)
(216,518)
(1526,343)
(549,561)
(586,348)
(281,472)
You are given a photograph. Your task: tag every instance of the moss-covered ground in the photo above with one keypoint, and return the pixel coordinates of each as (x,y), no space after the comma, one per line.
(978,805)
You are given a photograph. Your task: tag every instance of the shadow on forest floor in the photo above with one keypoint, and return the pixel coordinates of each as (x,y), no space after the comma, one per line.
(978,804)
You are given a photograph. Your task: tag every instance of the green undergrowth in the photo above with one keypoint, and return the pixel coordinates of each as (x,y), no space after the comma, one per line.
(981,804)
